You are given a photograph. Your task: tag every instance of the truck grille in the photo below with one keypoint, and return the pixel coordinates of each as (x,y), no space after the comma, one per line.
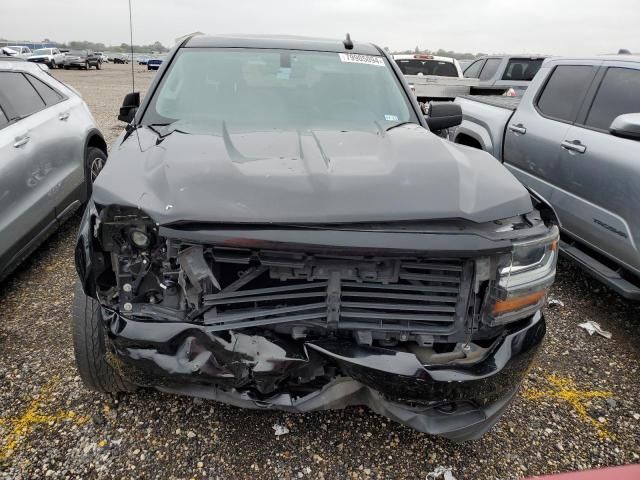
(412,295)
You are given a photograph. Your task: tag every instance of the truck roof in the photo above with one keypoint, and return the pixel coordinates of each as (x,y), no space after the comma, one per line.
(285,42)
(595,58)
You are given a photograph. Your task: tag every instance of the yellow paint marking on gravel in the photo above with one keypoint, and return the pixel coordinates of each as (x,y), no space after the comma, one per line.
(24,425)
(565,389)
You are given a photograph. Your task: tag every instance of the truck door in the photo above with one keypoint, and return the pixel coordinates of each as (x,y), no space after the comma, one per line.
(598,194)
(536,129)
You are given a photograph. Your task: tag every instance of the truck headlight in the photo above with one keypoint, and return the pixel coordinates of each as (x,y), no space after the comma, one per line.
(524,278)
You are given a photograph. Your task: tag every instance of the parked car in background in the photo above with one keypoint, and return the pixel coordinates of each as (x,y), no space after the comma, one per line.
(434,78)
(119,58)
(464,64)
(263,267)
(102,57)
(143,60)
(154,63)
(52,57)
(51,152)
(503,74)
(22,51)
(575,139)
(82,59)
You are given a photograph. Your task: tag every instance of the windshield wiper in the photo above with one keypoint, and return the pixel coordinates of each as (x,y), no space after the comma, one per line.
(397,125)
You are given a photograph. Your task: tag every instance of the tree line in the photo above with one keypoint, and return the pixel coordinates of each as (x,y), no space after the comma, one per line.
(155,47)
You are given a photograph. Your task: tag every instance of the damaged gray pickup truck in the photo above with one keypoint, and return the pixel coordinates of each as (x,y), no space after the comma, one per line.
(278,228)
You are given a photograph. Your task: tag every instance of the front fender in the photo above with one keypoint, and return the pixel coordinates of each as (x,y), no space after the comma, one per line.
(476,132)
(88,265)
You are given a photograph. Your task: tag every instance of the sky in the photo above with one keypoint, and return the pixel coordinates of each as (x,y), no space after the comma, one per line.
(556,27)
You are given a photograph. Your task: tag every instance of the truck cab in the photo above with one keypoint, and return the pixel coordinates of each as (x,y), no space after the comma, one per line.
(498,74)
(434,78)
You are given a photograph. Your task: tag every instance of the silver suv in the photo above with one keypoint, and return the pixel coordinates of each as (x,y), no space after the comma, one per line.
(50,151)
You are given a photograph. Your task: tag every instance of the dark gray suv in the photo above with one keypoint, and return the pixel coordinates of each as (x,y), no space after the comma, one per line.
(278,228)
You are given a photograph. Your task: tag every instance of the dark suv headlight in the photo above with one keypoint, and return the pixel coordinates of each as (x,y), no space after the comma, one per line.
(524,278)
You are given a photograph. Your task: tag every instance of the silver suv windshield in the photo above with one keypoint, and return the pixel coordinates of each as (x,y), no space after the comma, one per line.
(243,90)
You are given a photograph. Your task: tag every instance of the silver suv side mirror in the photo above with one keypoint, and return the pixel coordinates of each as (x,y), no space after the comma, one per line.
(626,126)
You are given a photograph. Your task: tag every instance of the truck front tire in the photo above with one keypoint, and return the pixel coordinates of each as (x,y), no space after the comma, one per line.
(90,347)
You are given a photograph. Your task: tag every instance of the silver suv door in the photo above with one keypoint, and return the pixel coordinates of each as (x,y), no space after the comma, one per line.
(63,143)
(540,124)
(598,194)
(26,209)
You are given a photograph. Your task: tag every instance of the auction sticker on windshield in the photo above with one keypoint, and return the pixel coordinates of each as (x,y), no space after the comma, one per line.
(366,59)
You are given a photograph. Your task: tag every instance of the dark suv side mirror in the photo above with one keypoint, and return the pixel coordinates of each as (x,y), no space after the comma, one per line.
(129,107)
(626,126)
(443,115)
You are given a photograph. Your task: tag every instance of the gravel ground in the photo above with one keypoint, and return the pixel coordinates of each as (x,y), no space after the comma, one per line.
(579,408)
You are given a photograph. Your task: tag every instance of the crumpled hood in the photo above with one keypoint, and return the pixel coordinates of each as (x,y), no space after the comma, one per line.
(406,173)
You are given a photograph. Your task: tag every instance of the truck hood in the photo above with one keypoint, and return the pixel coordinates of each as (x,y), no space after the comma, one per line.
(407,173)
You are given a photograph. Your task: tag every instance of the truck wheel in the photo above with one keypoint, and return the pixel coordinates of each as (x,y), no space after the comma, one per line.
(89,347)
(98,66)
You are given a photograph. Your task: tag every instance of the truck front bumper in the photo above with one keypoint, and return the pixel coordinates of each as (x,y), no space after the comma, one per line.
(460,401)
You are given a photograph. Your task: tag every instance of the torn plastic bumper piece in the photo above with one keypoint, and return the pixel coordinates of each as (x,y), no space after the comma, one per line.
(457,400)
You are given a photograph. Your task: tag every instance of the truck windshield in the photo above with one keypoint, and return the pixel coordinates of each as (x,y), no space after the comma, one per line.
(42,51)
(427,67)
(243,90)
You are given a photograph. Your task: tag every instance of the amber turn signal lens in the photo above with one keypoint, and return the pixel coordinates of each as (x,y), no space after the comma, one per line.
(512,304)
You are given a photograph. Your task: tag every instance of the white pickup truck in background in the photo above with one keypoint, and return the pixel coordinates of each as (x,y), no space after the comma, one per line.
(434,78)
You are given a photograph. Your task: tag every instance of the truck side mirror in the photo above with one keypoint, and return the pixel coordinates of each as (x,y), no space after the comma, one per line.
(129,107)
(443,115)
(626,126)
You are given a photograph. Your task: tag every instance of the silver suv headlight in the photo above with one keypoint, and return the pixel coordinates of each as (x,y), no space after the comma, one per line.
(524,277)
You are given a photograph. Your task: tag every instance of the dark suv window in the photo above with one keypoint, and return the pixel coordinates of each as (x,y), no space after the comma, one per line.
(21,96)
(564,91)
(619,93)
(473,70)
(522,69)
(490,68)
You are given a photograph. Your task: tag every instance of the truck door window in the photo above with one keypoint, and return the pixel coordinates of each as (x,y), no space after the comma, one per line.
(490,68)
(473,70)
(24,100)
(522,69)
(619,93)
(564,91)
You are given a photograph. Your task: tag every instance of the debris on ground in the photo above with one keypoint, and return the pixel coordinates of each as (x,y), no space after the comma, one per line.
(594,327)
(554,302)
(441,473)
(280,430)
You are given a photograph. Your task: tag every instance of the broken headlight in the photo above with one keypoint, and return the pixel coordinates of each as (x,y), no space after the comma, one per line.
(524,278)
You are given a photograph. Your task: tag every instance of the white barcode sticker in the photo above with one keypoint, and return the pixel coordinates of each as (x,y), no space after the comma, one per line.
(365,59)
